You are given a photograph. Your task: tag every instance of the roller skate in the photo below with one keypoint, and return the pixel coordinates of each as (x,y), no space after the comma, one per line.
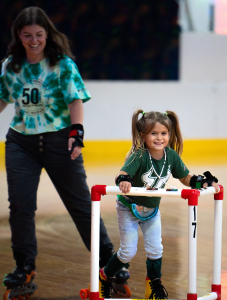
(19,283)
(113,287)
(120,285)
(155,289)
(105,287)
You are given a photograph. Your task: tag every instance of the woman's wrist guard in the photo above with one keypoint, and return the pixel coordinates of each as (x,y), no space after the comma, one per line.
(77,132)
(123,178)
(196,182)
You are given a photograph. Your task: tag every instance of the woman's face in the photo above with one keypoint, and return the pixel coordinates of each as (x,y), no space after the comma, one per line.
(33,38)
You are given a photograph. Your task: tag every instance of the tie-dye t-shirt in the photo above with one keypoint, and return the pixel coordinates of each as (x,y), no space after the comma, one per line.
(42,94)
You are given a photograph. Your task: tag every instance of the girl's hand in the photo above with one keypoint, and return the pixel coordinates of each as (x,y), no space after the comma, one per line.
(76,151)
(125,186)
(214,184)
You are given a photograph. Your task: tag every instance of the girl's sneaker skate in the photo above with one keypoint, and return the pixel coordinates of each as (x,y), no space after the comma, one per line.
(105,285)
(119,284)
(19,283)
(155,289)
(113,287)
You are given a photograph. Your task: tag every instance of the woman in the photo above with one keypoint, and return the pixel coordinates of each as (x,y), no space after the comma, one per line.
(41,79)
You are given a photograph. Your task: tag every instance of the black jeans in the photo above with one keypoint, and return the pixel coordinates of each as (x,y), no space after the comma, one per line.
(25,158)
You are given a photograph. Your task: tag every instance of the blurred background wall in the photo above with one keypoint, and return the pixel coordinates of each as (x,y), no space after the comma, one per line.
(154,55)
(112,39)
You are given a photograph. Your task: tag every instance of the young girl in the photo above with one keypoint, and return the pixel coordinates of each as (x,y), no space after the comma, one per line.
(155,155)
(40,77)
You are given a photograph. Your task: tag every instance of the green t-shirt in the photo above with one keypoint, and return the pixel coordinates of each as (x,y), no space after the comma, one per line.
(41,94)
(140,169)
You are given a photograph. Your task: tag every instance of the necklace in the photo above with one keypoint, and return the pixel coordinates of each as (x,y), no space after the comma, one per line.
(159,176)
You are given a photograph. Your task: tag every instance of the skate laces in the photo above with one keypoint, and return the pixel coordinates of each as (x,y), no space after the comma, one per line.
(158,290)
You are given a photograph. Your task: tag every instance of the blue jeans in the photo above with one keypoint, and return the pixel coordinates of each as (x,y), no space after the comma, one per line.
(128,228)
(26,155)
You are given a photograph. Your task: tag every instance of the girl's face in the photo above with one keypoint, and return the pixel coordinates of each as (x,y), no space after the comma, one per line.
(157,139)
(33,38)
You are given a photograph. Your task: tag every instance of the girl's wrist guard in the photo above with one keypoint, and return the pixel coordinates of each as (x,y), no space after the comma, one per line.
(123,178)
(77,132)
(197,182)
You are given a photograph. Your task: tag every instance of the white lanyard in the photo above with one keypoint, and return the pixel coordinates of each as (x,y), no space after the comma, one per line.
(159,176)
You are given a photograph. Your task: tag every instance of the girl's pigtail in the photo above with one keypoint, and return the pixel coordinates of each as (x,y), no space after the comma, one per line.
(176,140)
(135,130)
(136,137)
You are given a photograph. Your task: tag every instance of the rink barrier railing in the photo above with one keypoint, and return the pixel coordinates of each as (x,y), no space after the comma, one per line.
(192,196)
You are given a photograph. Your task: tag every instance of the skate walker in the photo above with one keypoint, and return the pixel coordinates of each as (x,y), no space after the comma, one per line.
(192,195)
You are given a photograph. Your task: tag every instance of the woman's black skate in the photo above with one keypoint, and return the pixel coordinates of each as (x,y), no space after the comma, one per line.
(19,283)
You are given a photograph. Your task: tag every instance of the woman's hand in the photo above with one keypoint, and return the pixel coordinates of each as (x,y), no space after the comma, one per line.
(3,105)
(76,115)
(76,151)
(214,184)
(125,186)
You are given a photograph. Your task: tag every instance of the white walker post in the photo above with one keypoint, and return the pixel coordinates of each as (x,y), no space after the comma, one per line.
(192,195)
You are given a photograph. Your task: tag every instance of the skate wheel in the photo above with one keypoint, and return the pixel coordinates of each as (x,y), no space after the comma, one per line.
(21,297)
(127,290)
(27,296)
(7,297)
(33,287)
(84,293)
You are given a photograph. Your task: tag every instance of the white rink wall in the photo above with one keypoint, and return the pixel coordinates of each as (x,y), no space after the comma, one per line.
(199,98)
(202,108)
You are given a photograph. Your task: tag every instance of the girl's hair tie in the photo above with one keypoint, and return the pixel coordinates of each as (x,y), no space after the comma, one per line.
(143,113)
(165,113)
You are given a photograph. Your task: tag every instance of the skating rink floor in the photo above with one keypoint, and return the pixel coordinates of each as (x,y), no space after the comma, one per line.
(63,263)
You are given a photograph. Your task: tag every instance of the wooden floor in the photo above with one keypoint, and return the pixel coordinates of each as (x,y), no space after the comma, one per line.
(63,263)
